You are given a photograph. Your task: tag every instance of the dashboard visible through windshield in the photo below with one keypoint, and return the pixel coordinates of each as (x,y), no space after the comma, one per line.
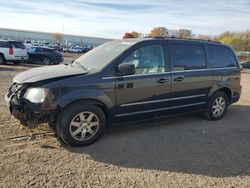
(99,57)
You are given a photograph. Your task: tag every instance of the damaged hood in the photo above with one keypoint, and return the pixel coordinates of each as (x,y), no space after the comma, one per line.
(48,72)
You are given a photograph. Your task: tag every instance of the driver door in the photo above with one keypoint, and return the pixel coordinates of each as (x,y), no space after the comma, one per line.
(147,92)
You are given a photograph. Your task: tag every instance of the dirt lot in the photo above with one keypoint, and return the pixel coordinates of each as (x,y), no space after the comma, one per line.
(186,151)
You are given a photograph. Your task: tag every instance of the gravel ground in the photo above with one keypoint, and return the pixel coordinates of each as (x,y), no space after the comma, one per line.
(186,151)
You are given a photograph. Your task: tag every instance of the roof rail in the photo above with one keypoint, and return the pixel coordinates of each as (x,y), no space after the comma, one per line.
(183,38)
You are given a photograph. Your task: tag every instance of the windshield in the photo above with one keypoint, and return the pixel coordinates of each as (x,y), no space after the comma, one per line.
(99,57)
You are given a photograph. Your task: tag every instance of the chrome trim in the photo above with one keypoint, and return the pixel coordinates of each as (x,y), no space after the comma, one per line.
(135,75)
(162,100)
(195,70)
(210,69)
(159,109)
(188,97)
(146,102)
(111,77)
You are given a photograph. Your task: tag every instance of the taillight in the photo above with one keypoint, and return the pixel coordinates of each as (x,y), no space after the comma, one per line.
(11,51)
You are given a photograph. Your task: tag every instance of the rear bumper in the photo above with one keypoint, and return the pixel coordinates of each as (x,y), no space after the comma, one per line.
(236,95)
(18,58)
(235,99)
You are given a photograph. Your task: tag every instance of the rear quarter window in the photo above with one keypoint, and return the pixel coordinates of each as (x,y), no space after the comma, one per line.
(4,44)
(49,50)
(221,57)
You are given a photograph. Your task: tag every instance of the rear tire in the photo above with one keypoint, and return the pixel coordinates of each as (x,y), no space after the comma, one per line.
(217,106)
(17,62)
(46,61)
(2,60)
(81,124)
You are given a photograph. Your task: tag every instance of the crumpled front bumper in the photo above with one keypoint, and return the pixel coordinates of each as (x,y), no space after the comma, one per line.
(26,112)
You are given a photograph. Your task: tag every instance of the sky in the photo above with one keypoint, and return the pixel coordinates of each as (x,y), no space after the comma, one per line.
(112,18)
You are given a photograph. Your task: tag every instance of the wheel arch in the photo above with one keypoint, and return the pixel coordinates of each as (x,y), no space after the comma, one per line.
(3,55)
(227,91)
(89,101)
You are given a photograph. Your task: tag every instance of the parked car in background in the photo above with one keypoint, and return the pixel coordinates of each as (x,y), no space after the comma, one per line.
(75,50)
(56,46)
(245,64)
(27,43)
(12,51)
(44,55)
(127,80)
(85,49)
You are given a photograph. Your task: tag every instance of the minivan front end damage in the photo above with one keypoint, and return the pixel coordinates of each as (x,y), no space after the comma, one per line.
(30,113)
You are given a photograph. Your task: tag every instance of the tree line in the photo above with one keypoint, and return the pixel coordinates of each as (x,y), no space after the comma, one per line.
(240,41)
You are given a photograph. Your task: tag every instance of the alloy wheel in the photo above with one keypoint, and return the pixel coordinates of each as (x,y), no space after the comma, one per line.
(84,126)
(218,106)
(46,61)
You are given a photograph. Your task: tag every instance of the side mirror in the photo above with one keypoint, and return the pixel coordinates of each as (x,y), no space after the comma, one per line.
(126,68)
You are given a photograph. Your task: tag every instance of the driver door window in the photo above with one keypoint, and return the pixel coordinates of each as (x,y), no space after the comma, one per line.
(148,59)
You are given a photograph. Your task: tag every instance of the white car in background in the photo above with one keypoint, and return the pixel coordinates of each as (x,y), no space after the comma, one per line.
(27,44)
(12,51)
(73,50)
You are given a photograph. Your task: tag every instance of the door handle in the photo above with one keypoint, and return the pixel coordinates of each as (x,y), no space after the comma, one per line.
(162,81)
(179,79)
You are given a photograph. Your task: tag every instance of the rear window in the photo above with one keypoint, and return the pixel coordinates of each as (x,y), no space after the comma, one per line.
(187,57)
(221,57)
(56,52)
(18,45)
(4,44)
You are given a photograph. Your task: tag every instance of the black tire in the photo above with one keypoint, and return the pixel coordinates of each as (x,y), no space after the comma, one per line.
(17,62)
(2,60)
(69,114)
(46,61)
(210,113)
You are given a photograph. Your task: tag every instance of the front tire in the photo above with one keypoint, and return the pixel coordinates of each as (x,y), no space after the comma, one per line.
(81,124)
(217,106)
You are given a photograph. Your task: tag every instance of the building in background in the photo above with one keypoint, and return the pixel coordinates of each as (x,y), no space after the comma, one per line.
(22,35)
